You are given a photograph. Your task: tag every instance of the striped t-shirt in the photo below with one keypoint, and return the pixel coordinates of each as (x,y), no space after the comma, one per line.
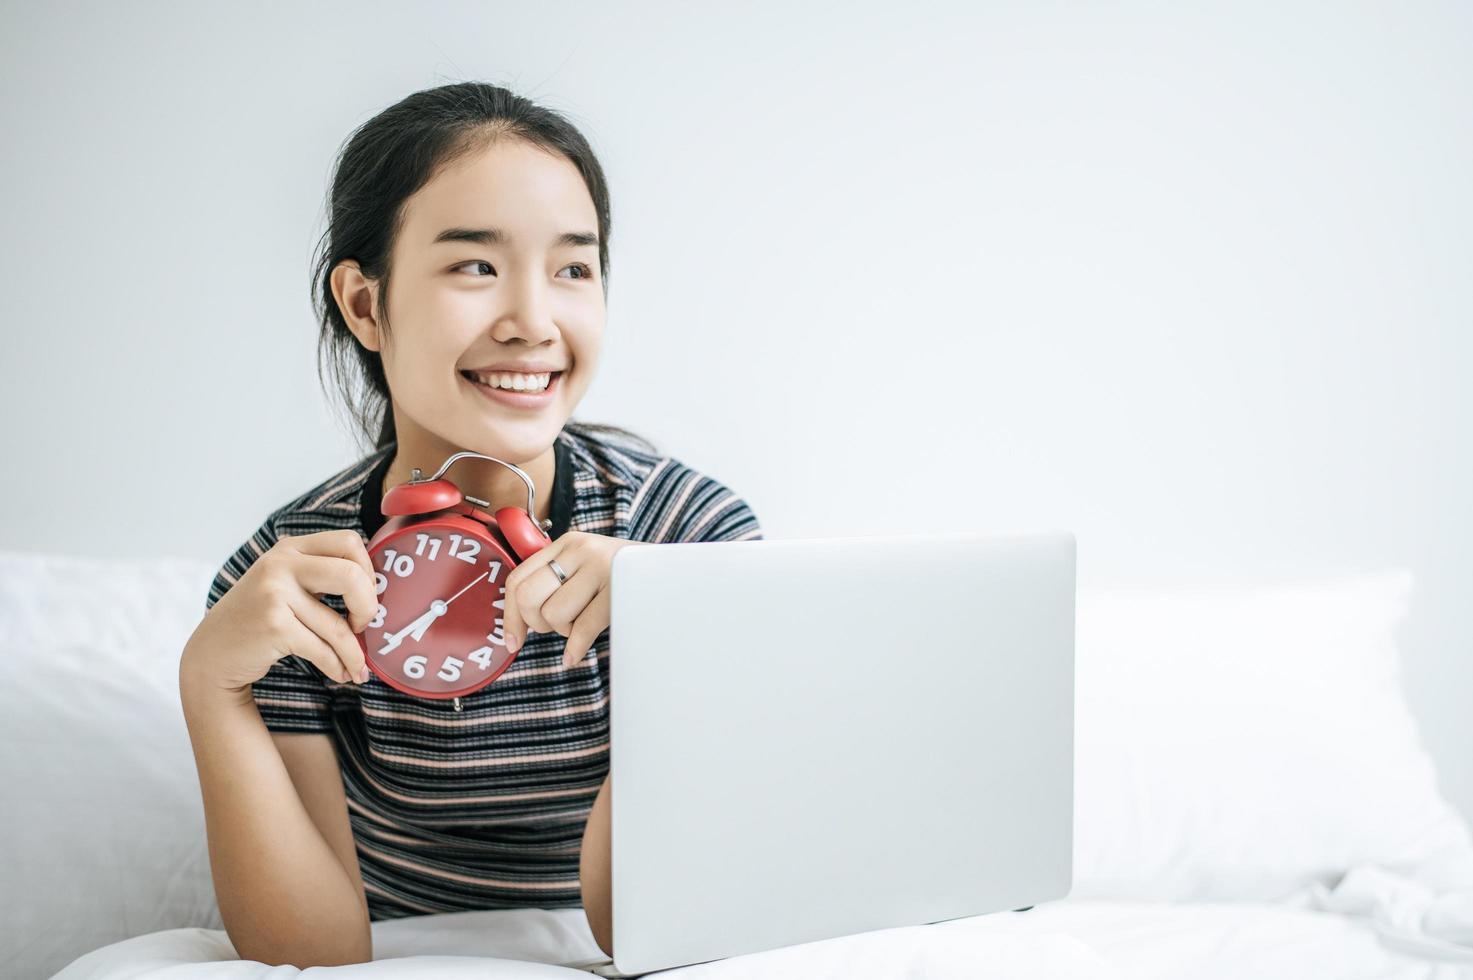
(485,807)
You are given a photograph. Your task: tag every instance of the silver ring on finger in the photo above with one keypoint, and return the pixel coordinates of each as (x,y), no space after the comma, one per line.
(557,570)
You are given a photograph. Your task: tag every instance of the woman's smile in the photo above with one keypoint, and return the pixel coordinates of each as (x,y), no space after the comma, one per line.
(526,400)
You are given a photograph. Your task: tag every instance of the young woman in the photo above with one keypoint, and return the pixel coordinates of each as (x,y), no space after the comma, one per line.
(461,285)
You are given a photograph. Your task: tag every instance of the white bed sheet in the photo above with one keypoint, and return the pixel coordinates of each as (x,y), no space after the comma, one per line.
(1377,932)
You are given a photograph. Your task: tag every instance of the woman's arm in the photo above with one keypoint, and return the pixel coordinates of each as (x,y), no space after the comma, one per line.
(284,893)
(594,872)
(313,765)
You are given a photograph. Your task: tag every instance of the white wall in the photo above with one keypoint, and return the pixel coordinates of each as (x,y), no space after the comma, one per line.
(1192,283)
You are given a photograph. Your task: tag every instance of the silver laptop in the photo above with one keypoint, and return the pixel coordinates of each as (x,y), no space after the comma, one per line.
(818,737)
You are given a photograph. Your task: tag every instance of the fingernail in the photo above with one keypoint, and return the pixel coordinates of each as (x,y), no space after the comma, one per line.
(363,675)
(512,642)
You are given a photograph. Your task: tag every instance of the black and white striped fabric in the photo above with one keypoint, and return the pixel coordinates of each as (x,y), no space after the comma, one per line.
(485,807)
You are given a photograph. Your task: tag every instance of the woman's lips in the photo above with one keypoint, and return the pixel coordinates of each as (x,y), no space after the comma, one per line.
(528,400)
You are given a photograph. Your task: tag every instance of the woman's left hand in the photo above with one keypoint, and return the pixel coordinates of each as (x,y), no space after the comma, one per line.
(577,608)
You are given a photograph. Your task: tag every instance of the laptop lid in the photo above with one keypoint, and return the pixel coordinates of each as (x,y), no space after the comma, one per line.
(819,737)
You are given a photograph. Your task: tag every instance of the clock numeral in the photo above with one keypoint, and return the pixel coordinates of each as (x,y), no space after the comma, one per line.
(378,620)
(483,657)
(449,669)
(400,565)
(424,539)
(498,635)
(382,581)
(466,549)
(496,570)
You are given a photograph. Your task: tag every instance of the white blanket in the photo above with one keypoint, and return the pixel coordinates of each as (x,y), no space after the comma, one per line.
(1374,924)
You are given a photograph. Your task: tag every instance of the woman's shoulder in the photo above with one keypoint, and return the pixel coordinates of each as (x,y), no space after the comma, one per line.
(330,504)
(617,457)
(665,499)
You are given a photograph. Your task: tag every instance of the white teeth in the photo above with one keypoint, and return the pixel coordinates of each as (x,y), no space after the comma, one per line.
(515,382)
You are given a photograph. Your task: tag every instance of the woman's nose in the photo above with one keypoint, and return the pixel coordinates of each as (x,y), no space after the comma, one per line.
(530,315)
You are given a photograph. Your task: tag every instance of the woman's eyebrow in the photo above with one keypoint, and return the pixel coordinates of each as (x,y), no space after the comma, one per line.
(495,236)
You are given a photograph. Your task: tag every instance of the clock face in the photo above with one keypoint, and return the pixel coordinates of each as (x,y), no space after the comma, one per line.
(439,631)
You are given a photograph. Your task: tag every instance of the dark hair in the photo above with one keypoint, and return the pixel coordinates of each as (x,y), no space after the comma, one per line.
(379,166)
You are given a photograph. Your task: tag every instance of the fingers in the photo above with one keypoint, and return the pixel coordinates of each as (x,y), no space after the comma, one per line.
(339,656)
(531,595)
(593,621)
(332,575)
(527,588)
(304,643)
(568,601)
(343,543)
(307,644)
(512,629)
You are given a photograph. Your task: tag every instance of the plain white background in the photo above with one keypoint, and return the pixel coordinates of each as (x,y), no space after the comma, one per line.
(1191,281)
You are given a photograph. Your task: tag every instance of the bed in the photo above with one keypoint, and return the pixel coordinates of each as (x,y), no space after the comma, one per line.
(1252,799)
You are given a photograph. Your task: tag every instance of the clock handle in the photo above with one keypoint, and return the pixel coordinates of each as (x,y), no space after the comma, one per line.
(521,531)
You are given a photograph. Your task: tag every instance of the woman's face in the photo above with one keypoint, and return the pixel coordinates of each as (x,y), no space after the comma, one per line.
(496,263)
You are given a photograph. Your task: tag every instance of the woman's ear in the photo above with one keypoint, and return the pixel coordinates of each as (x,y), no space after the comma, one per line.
(356,297)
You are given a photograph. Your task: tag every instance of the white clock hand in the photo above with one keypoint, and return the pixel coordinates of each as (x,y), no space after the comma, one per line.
(437,609)
(467,586)
(417,628)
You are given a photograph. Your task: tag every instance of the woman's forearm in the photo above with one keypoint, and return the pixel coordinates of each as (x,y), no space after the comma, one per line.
(594,871)
(284,896)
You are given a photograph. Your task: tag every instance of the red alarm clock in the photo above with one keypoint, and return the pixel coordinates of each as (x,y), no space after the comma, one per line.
(440,567)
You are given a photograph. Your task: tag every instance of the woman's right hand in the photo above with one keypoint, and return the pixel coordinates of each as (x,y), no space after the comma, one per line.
(274,610)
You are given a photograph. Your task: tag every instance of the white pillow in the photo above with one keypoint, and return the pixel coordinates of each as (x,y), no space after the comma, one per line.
(1243,741)
(102,823)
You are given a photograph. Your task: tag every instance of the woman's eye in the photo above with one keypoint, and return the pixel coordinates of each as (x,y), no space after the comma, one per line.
(587,272)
